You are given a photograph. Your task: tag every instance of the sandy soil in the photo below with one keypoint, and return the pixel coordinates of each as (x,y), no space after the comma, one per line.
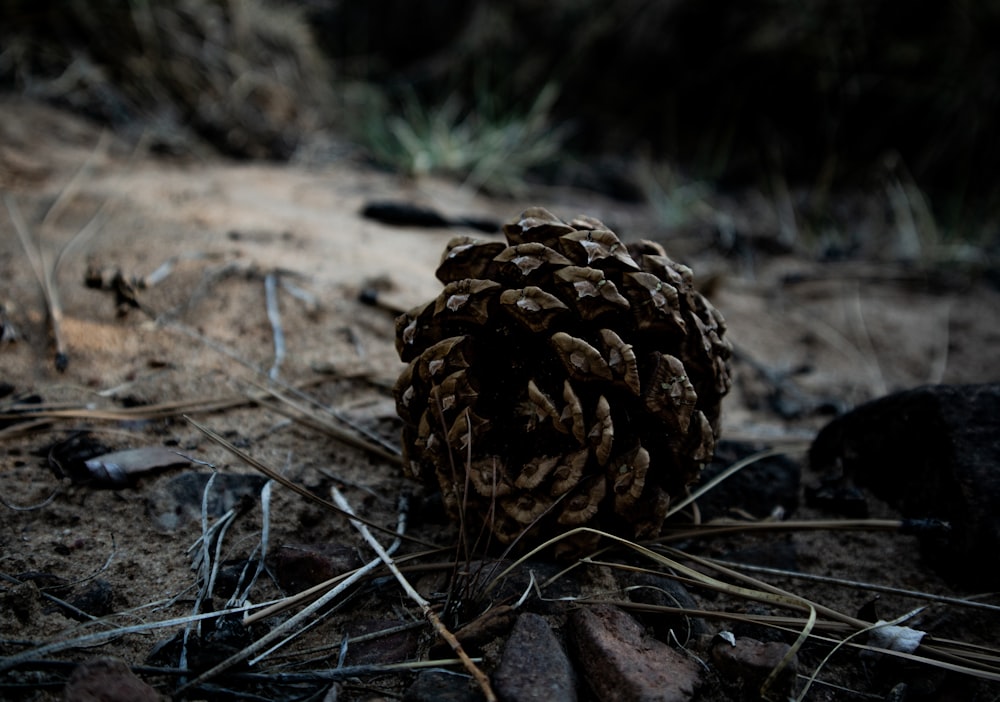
(842,334)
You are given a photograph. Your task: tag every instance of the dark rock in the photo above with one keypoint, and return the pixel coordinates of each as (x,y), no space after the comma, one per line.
(750,662)
(619,662)
(779,552)
(661,591)
(534,667)
(440,686)
(107,680)
(762,487)
(97,599)
(934,453)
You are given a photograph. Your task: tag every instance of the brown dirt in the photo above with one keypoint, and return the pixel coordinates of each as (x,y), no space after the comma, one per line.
(845,333)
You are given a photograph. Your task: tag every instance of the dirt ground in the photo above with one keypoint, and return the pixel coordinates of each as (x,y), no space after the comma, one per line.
(831,335)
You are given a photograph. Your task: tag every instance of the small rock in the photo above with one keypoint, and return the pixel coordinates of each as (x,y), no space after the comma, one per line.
(933,452)
(769,485)
(107,680)
(661,591)
(750,662)
(619,662)
(300,566)
(534,667)
(438,686)
(96,600)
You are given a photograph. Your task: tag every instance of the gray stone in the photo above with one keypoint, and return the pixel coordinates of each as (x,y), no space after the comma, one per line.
(618,661)
(534,667)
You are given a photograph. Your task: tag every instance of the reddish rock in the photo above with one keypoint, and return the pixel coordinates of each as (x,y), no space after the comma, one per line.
(750,662)
(534,667)
(618,661)
(299,566)
(107,680)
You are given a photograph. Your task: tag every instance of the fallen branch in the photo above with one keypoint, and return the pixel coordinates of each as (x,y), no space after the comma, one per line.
(425,606)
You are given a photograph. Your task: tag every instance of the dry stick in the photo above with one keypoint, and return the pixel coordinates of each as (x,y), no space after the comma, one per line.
(425,606)
(45,279)
(158,411)
(284,603)
(375,443)
(47,274)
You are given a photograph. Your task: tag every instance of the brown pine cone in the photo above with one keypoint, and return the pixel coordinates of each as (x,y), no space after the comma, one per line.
(561,379)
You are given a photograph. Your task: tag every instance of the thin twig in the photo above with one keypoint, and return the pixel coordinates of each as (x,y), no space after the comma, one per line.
(45,279)
(274,317)
(418,599)
(873,587)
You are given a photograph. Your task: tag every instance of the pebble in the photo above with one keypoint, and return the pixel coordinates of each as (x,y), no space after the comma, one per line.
(750,662)
(97,600)
(534,667)
(618,661)
(107,680)
(440,686)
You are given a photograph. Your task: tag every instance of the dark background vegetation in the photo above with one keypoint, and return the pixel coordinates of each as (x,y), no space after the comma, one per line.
(827,95)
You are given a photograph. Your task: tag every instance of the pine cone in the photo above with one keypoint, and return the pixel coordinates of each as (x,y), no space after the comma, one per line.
(560,379)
